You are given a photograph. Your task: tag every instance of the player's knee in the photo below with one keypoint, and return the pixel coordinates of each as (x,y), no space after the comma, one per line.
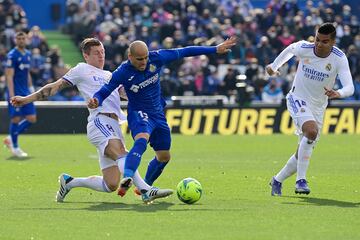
(112,154)
(115,149)
(32,119)
(312,134)
(164,157)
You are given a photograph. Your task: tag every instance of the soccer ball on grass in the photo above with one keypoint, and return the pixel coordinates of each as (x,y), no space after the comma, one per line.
(189,190)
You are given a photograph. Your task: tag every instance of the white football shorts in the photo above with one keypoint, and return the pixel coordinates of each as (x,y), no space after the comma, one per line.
(300,113)
(99,132)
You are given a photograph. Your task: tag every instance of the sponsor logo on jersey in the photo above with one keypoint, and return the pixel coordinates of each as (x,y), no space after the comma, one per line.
(152,68)
(22,66)
(147,82)
(313,74)
(100,80)
(328,67)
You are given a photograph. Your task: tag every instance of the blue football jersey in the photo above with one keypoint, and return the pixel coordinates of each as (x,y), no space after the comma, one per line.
(20,62)
(143,87)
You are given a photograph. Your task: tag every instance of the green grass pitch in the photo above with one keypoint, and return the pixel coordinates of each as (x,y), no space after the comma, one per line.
(236,204)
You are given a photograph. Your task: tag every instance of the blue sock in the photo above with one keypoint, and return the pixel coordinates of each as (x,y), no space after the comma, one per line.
(23,125)
(154,170)
(133,158)
(13,129)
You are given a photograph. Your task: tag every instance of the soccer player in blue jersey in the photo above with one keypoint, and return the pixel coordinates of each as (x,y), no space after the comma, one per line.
(19,83)
(140,77)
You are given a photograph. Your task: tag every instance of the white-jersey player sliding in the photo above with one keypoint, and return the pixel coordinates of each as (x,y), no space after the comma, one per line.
(103,128)
(319,64)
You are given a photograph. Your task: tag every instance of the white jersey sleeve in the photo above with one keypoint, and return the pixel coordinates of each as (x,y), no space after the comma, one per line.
(346,80)
(73,76)
(286,55)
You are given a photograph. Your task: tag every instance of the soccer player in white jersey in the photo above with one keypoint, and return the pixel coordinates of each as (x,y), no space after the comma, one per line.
(319,64)
(103,129)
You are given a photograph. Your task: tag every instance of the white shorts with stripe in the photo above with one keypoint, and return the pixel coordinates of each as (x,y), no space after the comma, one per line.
(300,113)
(99,132)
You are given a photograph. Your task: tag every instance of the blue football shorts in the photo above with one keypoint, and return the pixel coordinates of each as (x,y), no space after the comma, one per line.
(153,124)
(28,109)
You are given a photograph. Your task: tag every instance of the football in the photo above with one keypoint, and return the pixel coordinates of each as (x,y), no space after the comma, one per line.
(189,190)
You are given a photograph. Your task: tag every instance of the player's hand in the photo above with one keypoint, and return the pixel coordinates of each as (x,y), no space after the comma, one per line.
(93,103)
(331,93)
(225,46)
(271,72)
(18,101)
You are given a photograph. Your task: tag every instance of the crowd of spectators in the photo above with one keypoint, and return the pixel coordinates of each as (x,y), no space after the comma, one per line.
(262,34)
(46,62)
(240,75)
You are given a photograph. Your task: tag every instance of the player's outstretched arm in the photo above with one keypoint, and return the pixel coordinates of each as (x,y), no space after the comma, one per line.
(226,46)
(42,94)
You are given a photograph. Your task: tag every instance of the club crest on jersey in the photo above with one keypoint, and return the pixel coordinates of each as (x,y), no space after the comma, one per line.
(302,110)
(152,68)
(306,61)
(328,67)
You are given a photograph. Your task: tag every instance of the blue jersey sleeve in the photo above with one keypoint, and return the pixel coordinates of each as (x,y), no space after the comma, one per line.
(168,55)
(108,88)
(10,63)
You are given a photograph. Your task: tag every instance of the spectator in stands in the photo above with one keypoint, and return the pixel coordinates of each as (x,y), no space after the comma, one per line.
(272,92)
(37,65)
(264,53)
(228,85)
(212,82)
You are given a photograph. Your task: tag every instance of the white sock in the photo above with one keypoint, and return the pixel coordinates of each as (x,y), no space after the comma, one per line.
(304,153)
(138,180)
(96,183)
(288,170)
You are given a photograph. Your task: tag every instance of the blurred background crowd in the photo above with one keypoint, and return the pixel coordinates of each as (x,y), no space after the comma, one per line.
(262,32)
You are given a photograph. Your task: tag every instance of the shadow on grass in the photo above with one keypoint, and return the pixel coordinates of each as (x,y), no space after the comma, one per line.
(119,206)
(106,206)
(140,207)
(13,158)
(325,202)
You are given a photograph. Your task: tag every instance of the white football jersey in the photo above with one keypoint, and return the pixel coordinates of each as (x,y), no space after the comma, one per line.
(314,73)
(89,79)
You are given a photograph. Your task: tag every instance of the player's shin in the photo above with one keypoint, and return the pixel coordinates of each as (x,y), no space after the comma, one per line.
(13,129)
(133,158)
(288,170)
(154,170)
(23,125)
(304,154)
(96,183)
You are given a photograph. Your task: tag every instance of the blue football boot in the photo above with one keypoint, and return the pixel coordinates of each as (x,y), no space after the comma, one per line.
(275,187)
(301,187)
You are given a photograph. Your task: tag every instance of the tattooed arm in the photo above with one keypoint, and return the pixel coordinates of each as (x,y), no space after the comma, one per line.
(43,93)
